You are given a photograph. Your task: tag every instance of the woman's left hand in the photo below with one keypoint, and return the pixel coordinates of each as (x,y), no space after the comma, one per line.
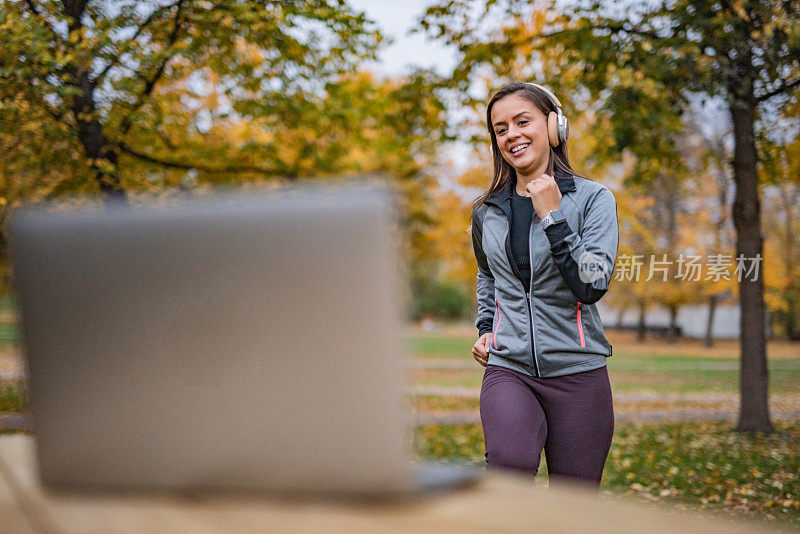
(545,195)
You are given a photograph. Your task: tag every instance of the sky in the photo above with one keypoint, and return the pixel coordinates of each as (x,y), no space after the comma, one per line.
(394,19)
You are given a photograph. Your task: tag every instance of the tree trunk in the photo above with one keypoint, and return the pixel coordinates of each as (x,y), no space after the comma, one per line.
(102,159)
(712,307)
(754,407)
(620,316)
(672,331)
(640,333)
(792,318)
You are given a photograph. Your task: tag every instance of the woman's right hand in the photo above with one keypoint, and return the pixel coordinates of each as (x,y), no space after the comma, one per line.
(480,351)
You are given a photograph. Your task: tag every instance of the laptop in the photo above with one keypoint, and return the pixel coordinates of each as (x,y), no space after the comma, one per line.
(224,342)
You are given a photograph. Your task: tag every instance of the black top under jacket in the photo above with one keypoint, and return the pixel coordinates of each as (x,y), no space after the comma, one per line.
(521,219)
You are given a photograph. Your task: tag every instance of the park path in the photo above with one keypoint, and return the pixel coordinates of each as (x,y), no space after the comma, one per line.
(13,422)
(629,406)
(620,416)
(434,364)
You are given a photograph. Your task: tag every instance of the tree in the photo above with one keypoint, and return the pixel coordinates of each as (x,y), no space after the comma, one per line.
(780,172)
(122,97)
(745,52)
(707,154)
(95,68)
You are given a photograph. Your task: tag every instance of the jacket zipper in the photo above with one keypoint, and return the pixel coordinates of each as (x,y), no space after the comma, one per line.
(499,318)
(580,327)
(533,331)
(528,296)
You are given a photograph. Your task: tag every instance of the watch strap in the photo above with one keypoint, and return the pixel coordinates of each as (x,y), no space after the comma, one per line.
(554,217)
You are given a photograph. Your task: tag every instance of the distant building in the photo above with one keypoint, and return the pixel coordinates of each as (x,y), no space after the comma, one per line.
(692,319)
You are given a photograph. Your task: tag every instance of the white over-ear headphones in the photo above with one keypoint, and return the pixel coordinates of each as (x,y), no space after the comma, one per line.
(557,125)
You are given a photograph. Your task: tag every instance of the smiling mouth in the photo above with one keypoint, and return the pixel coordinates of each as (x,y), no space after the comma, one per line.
(519,148)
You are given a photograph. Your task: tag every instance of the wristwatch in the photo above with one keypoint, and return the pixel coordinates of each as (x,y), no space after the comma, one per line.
(554,217)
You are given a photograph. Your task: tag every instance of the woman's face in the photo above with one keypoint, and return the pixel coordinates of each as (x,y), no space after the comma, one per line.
(521,131)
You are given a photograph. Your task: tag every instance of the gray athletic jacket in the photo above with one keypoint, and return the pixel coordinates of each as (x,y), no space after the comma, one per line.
(571,267)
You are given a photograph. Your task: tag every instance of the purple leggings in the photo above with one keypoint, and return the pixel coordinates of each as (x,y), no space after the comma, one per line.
(571,417)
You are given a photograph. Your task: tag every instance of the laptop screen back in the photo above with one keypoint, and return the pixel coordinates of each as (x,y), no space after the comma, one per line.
(234,341)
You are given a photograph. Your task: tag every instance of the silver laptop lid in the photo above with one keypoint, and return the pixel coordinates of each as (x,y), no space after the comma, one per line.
(234,341)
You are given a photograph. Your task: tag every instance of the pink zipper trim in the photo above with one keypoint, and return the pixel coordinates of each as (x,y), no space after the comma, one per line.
(499,317)
(580,327)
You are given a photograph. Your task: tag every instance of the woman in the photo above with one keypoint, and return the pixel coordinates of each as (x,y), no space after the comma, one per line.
(545,241)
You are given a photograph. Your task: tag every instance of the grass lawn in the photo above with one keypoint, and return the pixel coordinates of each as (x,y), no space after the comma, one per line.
(637,378)
(12,397)
(631,368)
(9,334)
(689,465)
(7,305)
(456,341)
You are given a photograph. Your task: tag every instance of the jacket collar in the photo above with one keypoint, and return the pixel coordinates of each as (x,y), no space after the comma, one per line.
(502,197)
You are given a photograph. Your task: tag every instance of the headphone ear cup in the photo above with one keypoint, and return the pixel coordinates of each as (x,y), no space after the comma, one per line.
(552,129)
(563,126)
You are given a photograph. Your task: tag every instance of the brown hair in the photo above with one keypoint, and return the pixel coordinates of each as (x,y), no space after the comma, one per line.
(503,171)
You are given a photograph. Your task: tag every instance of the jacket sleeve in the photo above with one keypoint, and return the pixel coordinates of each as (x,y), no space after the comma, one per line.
(485,290)
(586,261)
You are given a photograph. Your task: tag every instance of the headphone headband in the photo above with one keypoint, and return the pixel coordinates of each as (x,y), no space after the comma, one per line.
(548,92)
(557,125)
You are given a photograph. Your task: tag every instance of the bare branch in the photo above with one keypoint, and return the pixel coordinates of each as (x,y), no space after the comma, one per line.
(156,12)
(623,27)
(779,90)
(37,13)
(57,115)
(206,168)
(74,9)
(166,140)
(150,83)
(32,8)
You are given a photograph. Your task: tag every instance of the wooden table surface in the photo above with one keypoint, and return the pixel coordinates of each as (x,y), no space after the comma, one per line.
(497,503)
